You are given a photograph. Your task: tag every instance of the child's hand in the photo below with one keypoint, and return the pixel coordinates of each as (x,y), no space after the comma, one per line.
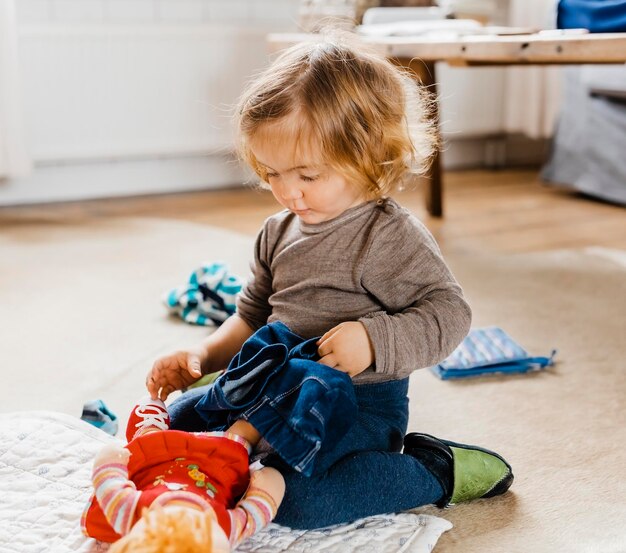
(347,348)
(175,372)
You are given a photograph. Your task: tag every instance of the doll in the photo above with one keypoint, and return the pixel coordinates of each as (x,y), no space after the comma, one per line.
(173,491)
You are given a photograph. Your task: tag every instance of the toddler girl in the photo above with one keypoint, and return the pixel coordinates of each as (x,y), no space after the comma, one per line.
(333,130)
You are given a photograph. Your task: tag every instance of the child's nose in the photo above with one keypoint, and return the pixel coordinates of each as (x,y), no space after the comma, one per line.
(291,191)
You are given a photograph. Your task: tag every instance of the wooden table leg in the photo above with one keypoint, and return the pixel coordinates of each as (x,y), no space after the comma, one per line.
(424,72)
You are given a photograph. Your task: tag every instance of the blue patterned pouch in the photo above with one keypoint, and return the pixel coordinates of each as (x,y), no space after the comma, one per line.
(208,298)
(489,351)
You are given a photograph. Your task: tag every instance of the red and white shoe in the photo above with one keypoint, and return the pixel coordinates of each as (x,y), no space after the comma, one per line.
(148,415)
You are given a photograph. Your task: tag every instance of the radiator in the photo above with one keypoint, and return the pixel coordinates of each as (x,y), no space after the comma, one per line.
(123,91)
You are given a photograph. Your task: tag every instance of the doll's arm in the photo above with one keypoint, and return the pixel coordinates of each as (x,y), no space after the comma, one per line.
(258,506)
(115,493)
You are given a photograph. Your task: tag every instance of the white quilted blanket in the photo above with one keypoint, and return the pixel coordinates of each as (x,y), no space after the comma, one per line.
(45,463)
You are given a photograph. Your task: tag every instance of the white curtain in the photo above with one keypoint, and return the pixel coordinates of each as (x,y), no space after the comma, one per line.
(533,94)
(14,159)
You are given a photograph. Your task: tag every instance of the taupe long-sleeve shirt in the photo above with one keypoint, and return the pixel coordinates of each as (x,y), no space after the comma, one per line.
(374,263)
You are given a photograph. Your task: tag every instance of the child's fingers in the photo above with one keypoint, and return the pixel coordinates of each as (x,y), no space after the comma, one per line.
(166,391)
(327,343)
(325,348)
(151,384)
(329,360)
(193,366)
(328,334)
(156,379)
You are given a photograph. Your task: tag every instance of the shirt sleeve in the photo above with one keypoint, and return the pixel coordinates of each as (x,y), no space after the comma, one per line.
(256,509)
(116,495)
(424,315)
(253,301)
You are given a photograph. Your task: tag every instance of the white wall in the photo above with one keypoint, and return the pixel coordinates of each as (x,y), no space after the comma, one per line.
(134,96)
(121,79)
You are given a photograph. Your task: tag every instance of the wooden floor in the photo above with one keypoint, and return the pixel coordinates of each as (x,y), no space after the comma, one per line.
(490,211)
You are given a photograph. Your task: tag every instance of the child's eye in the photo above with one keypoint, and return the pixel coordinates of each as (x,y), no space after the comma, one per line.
(306,178)
(271,175)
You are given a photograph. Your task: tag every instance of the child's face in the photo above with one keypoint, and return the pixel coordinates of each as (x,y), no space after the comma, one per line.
(303,184)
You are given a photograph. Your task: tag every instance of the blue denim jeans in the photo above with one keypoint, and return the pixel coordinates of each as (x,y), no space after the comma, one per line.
(365,474)
(301,408)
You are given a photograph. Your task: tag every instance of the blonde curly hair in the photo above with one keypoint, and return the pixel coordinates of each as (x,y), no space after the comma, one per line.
(181,530)
(367,118)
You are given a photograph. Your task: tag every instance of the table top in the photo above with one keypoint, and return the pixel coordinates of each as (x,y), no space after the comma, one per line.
(526,49)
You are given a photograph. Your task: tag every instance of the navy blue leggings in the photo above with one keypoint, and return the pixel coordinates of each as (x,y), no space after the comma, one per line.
(364,475)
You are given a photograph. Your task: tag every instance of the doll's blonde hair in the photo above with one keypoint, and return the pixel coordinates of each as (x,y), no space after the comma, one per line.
(164,531)
(367,118)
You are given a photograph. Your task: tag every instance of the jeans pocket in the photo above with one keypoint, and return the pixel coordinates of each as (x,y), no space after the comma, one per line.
(241,386)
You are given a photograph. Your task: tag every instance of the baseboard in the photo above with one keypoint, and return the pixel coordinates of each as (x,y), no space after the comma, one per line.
(494,152)
(86,181)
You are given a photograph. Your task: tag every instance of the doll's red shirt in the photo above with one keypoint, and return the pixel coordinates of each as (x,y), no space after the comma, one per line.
(210,465)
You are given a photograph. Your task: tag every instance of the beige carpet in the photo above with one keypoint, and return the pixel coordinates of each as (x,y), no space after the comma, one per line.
(81,318)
